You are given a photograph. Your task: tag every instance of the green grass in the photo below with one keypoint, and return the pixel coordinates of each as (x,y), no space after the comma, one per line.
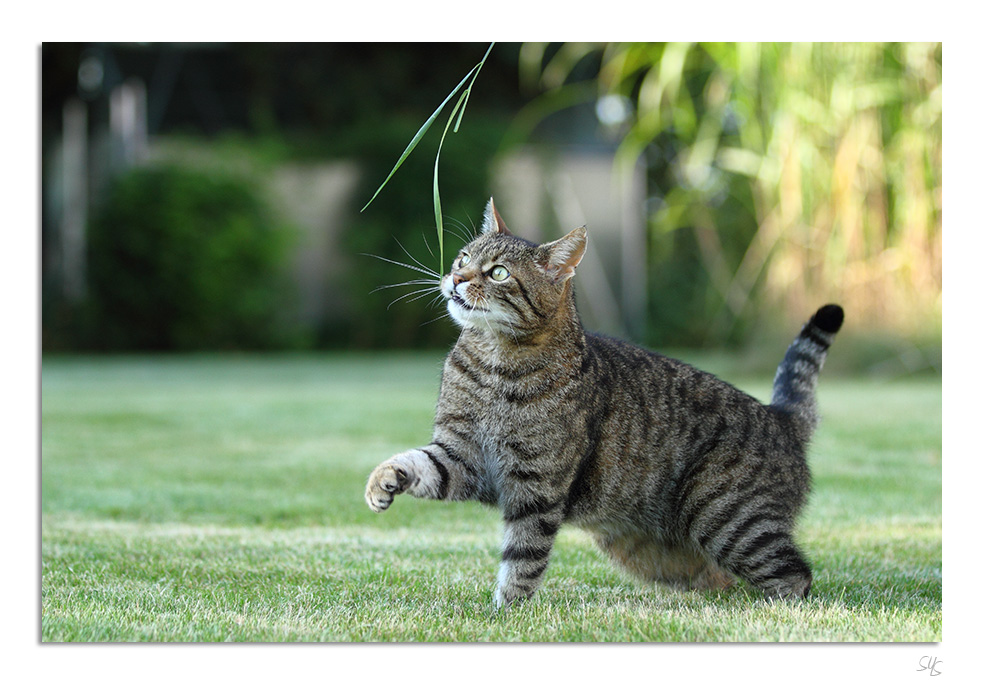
(220,499)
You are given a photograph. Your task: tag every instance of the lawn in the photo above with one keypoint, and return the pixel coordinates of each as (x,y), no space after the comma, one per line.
(221,499)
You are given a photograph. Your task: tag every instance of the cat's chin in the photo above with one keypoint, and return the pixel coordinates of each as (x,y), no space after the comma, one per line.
(459,311)
(467,316)
(464,315)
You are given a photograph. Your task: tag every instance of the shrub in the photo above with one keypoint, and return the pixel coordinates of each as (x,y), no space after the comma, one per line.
(186,260)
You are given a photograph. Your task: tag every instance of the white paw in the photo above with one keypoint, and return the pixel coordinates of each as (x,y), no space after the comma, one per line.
(499,599)
(505,597)
(386,481)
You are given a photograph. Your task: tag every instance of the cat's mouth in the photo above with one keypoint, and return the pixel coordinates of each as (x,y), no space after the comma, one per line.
(460,301)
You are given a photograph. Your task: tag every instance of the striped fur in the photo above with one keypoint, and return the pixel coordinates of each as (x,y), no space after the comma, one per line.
(680,477)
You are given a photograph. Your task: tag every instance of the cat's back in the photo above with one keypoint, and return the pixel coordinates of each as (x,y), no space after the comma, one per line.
(658,382)
(655,423)
(669,404)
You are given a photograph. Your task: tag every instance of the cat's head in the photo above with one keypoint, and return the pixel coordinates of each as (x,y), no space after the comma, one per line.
(510,286)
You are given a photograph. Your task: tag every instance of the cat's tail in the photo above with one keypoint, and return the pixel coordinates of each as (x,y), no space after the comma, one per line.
(796,377)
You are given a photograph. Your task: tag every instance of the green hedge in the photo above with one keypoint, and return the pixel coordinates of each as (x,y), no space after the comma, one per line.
(180,259)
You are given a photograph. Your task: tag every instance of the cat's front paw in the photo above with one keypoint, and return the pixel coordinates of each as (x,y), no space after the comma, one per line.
(386,481)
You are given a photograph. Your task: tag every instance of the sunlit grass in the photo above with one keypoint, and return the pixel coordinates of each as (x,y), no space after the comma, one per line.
(215,499)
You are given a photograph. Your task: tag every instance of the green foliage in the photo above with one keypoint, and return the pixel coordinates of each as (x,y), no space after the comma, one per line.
(221,499)
(780,175)
(184,260)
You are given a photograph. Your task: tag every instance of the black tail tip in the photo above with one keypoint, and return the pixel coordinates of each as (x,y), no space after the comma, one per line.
(829,318)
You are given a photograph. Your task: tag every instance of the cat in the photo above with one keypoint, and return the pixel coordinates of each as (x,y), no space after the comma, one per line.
(679,476)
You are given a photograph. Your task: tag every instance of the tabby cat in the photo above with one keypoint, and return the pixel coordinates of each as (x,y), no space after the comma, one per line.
(679,476)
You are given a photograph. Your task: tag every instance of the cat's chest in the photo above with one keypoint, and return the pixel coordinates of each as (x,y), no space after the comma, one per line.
(500,403)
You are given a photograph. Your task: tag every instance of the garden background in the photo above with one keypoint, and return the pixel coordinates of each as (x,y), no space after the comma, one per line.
(219,372)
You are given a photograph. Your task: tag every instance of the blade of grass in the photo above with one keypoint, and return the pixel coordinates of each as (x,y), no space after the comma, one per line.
(460,110)
(468,91)
(417,137)
(438,222)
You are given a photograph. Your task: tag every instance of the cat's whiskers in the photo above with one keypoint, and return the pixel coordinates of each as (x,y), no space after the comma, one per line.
(432,283)
(413,294)
(416,260)
(485,317)
(463,233)
(438,299)
(420,269)
(421,294)
(483,301)
(446,315)
(428,246)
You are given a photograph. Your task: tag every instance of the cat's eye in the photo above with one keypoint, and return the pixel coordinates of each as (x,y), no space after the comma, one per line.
(499,273)
(464,259)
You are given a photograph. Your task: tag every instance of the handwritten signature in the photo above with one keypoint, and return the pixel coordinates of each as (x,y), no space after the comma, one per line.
(930,663)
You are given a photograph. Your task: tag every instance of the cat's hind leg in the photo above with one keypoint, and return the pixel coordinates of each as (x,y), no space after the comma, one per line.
(772,563)
(759,548)
(742,518)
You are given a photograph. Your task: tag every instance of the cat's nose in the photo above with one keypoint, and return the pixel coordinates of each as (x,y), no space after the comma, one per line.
(457,278)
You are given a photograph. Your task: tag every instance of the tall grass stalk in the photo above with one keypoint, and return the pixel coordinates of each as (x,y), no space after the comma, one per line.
(458,109)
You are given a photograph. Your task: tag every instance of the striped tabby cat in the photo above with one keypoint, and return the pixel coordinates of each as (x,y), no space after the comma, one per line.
(679,476)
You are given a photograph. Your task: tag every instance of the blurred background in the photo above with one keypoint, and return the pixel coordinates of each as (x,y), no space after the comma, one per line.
(207,196)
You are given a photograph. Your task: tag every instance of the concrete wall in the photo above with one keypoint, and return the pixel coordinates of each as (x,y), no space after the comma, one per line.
(540,195)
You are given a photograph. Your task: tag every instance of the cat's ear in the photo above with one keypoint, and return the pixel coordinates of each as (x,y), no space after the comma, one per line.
(564,254)
(492,222)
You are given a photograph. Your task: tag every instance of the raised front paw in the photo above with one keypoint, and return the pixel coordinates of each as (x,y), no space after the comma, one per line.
(386,481)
